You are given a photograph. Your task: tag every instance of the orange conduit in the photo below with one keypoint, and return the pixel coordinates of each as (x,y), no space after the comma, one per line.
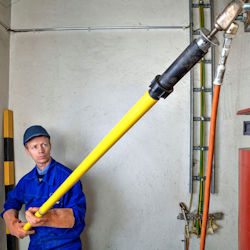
(209,165)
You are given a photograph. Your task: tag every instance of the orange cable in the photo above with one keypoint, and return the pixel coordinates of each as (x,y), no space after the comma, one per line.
(187,243)
(209,164)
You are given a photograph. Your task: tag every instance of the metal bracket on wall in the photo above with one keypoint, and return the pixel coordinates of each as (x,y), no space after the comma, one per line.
(246,124)
(200,148)
(205,5)
(194,216)
(198,178)
(200,89)
(206,119)
(246,128)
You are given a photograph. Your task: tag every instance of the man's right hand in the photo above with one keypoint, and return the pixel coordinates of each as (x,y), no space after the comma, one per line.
(14,225)
(16,229)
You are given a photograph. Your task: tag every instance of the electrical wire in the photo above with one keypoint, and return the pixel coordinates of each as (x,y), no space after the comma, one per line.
(209,163)
(202,128)
(228,36)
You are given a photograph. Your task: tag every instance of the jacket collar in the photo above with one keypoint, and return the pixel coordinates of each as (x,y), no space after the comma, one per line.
(49,177)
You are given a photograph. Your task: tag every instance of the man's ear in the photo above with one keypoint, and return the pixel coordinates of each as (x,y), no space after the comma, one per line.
(27,151)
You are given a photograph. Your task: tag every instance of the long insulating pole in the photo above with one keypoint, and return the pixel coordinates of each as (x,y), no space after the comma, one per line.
(228,36)
(160,87)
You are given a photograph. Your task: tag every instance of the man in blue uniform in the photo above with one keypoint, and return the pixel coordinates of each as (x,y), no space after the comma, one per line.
(61,227)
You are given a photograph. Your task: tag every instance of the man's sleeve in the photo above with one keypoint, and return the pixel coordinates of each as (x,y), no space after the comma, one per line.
(76,200)
(14,199)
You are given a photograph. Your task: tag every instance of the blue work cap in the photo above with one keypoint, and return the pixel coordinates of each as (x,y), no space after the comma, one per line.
(34,131)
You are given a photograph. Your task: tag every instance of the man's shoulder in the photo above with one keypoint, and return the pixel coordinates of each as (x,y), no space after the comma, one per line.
(61,169)
(29,175)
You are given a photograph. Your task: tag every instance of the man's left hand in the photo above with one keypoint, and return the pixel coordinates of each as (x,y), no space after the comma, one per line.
(33,220)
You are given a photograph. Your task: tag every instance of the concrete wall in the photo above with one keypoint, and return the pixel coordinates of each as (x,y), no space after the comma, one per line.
(78,84)
(4,91)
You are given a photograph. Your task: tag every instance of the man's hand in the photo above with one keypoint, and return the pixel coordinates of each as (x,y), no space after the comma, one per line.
(57,217)
(14,225)
(17,230)
(33,220)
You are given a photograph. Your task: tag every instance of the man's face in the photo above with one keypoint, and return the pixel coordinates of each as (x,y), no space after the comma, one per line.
(39,149)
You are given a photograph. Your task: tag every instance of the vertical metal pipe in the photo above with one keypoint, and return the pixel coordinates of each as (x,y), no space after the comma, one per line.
(191,103)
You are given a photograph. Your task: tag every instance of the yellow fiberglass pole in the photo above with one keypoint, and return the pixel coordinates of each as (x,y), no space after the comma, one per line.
(134,114)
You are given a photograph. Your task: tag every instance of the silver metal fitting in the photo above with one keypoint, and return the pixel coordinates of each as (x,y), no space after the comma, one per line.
(204,42)
(219,74)
(246,6)
(228,37)
(233,28)
(228,15)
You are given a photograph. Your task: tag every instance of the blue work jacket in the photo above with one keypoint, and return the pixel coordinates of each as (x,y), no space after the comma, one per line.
(33,193)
